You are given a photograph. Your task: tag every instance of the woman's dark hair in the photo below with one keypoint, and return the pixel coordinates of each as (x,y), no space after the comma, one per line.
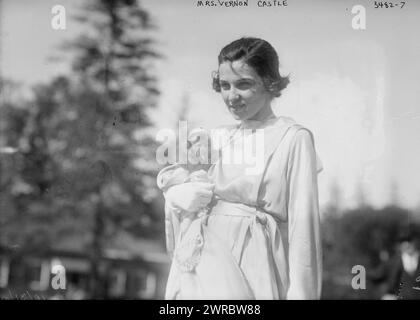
(258,54)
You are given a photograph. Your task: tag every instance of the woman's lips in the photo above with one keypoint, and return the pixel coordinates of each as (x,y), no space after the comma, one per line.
(237,108)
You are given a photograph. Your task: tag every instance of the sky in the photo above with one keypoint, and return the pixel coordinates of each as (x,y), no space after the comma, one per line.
(356,90)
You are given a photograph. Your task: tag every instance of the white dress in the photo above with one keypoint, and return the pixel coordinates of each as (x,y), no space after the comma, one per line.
(261,239)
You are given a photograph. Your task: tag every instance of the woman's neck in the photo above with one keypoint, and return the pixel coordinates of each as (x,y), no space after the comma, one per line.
(262,115)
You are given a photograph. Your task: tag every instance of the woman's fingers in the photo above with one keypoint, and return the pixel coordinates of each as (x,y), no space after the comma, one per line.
(205,197)
(204,185)
(205,193)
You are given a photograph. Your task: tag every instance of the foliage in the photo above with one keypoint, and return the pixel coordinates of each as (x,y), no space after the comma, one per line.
(362,236)
(80,139)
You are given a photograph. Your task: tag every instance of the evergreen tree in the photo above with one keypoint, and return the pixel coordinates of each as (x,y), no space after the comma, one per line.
(84,163)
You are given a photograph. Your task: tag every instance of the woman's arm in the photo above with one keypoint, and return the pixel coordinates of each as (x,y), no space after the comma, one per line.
(305,252)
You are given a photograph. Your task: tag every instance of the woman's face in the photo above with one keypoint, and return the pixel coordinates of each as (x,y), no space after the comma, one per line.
(243,91)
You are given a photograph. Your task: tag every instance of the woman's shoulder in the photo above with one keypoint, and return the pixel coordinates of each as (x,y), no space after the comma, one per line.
(296,130)
(293,129)
(282,120)
(301,137)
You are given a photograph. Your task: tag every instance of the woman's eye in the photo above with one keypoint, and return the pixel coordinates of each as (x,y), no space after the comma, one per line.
(244,85)
(225,86)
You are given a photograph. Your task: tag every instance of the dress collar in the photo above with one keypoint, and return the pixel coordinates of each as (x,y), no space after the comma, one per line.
(255,124)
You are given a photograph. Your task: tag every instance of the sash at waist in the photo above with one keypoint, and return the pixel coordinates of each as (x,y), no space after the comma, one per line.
(235,209)
(262,229)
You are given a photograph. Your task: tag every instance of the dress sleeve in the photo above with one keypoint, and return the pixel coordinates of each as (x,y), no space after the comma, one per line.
(305,252)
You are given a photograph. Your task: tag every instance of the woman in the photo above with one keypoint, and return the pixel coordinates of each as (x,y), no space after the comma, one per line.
(261,236)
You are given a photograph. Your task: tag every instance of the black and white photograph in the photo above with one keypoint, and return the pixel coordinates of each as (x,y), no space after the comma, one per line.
(234,150)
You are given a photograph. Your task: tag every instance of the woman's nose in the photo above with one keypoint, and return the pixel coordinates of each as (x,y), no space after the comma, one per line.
(233,96)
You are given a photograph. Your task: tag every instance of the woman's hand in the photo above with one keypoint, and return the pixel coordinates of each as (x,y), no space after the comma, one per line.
(190,196)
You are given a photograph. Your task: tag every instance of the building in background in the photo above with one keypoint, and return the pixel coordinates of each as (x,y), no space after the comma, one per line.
(130,269)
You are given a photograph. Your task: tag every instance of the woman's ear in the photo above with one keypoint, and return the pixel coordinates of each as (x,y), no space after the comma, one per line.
(216,81)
